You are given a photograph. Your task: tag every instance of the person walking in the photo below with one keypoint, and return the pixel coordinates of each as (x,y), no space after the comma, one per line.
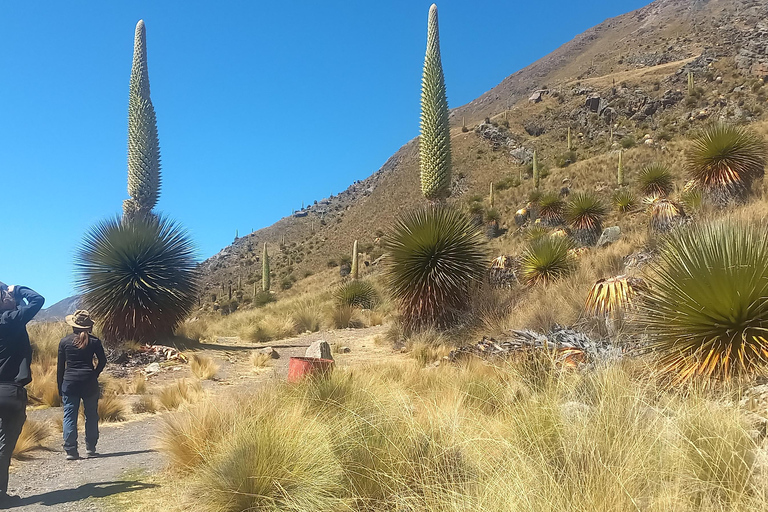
(78,380)
(18,306)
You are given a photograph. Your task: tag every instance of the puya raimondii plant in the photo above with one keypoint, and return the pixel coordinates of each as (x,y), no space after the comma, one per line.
(435,139)
(143,144)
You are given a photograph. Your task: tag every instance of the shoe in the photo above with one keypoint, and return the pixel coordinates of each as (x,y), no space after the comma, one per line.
(91,452)
(73,456)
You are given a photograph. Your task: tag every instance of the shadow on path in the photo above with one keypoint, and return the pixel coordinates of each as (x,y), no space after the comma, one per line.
(94,490)
(124,454)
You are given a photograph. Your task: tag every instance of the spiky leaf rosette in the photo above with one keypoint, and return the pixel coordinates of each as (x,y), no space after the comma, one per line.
(434,255)
(547,259)
(143,144)
(665,215)
(435,139)
(613,296)
(138,277)
(584,212)
(624,200)
(725,160)
(361,294)
(551,209)
(655,180)
(706,308)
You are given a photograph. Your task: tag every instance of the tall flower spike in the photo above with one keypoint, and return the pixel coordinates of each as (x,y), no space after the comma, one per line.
(143,145)
(435,140)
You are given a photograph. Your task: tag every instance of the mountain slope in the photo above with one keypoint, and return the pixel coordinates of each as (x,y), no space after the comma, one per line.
(613,84)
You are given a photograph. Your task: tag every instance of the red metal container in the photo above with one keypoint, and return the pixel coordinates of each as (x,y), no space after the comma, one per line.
(300,367)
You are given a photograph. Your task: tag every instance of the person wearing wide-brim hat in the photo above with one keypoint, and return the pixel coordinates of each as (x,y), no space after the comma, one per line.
(78,380)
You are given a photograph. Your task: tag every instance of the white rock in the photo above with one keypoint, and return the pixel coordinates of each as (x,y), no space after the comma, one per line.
(319,349)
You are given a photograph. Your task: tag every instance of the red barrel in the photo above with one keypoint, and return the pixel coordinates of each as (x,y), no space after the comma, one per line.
(300,367)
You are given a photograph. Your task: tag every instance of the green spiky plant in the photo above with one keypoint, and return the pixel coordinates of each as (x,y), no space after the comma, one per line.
(535,232)
(143,144)
(435,139)
(360,293)
(354,271)
(265,280)
(620,171)
(665,215)
(492,220)
(655,180)
(624,200)
(584,213)
(546,259)
(551,209)
(137,278)
(434,256)
(706,308)
(725,160)
(536,175)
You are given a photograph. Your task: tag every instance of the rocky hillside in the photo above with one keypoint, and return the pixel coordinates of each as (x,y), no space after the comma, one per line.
(621,84)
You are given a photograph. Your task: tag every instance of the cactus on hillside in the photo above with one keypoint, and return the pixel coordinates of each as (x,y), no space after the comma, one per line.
(435,139)
(143,145)
(570,146)
(490,196)
(620,171)
(265,270)
(691,89)
(536,176)
(354,272)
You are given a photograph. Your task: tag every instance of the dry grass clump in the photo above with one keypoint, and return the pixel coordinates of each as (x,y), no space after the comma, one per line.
(111,409)
(45,337)
(44,389)
(260,360)
(180,392)
(346,317)
(31,438)
(145,404)
(428,346)
(307,317)
(516,437)
(203,367)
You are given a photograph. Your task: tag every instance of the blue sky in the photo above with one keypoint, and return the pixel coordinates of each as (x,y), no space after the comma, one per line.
(260,105)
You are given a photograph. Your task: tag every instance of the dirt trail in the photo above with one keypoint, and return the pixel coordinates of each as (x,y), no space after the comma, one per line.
(129,459)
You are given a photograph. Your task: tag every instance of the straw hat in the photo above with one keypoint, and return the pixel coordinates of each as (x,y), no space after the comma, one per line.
(80,319)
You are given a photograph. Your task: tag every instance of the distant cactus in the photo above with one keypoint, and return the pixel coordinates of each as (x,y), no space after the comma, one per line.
(265,270)
(570,146)
(536,176)
(143,145)
(691,89)
(354,272)
(620,172)
(435,139)
(490,196)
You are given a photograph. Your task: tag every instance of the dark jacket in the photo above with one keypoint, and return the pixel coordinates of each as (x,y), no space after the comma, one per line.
(15,350)
(76,374)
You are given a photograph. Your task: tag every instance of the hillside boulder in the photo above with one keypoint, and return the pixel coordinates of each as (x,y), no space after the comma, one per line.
(609,236)
(320,349)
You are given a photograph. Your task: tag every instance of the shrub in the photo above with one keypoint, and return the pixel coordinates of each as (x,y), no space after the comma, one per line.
(725,160)
(492,216)
(546,260)
(551,209)
(628,142)
(138,277)
(263,298)
(624,200)
(435,254)
(564,160)
(203,367)
(358,293)
(584,212)
(655,180)
(705,308)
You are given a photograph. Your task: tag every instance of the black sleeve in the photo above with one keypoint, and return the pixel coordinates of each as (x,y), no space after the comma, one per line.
(61,365)
(102,358)
(26,312)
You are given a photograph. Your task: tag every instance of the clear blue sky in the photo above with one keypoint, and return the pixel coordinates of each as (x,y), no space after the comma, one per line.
(260,105)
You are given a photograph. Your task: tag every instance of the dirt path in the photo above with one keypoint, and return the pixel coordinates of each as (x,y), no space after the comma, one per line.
(129,460)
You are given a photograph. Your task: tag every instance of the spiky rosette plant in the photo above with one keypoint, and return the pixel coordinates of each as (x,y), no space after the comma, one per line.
(655,180)
(265,280)
(435,139)
(547,259)
(434,256)
(613,296)
(359,293)
(535,232)
(706,309)
(143,144)
(584,213)
(551,209)
(665,215)
(725,160)
(137,277)
(624,200)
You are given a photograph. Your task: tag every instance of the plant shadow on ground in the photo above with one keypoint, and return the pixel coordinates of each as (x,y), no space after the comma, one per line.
(91,490)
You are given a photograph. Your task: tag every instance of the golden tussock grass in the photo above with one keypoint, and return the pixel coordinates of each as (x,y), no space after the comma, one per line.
(203,367)
(44,388)
(260,360)
(180,392)
(145,404)
(111,409)
(31,438)
(514,437)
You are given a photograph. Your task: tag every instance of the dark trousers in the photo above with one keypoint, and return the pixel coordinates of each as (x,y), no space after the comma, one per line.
(13,414)
(71,402)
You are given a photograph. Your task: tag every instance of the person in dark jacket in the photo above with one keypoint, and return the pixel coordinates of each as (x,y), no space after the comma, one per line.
(79,381)
(18,305)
